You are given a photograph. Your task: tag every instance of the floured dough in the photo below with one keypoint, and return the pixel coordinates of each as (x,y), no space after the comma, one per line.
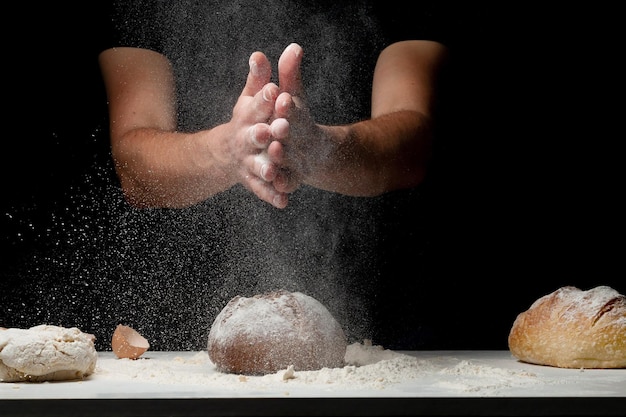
(46,353)
(273,331)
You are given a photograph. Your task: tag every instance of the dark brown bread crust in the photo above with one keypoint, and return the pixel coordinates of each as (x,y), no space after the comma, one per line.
(273,331)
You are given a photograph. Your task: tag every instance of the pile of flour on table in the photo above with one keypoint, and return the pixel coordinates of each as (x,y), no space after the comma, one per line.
(368,367)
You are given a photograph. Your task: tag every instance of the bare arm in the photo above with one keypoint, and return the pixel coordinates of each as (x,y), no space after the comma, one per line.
(386,152)
(160,167)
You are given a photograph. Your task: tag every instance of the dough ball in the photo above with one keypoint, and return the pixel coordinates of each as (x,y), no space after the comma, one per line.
(273,331)
(46,353)
(571,328)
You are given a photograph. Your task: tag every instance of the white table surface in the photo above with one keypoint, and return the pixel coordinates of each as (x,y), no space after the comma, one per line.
(426,375)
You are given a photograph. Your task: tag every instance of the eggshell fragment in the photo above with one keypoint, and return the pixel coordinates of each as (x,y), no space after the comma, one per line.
(128,343)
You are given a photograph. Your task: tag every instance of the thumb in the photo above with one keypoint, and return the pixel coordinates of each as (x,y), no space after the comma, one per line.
(289,75)
(259,74)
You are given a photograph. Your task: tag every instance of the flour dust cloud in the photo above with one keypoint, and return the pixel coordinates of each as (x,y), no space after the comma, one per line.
(168,272)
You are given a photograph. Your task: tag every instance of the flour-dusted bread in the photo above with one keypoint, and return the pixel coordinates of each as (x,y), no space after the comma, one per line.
(572,328)
(273,331)
(46,353)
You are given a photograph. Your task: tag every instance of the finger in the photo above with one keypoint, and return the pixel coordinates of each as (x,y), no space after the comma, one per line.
(259,74)
(279,200)
(284,182)
(259,135)
(279,128)
(289,75)
(263,168)
(283,105)
(266,192)
(265,101)
(276,152)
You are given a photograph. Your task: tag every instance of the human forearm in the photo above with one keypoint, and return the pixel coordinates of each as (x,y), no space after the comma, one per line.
(160,167)
(167,169)
(374,156)
(389,151)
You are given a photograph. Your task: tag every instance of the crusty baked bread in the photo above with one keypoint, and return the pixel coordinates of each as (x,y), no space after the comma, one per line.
(46,353)
(572,328)
(273,331)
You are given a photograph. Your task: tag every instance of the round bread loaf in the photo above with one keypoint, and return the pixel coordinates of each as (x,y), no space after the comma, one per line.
(273,331)
(571,328)
(46,353)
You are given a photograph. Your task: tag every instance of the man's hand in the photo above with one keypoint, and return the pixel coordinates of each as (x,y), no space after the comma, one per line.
(296,152)
(253,132)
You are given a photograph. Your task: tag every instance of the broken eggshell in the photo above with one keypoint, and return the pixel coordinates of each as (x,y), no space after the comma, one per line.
(128,343)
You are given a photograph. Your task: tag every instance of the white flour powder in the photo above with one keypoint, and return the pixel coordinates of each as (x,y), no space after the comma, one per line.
(368,368)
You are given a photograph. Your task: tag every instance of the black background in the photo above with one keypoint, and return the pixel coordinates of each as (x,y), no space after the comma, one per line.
(527,182)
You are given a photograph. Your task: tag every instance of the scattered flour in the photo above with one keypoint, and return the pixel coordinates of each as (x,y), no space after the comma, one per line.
(471,377)
(367,367)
